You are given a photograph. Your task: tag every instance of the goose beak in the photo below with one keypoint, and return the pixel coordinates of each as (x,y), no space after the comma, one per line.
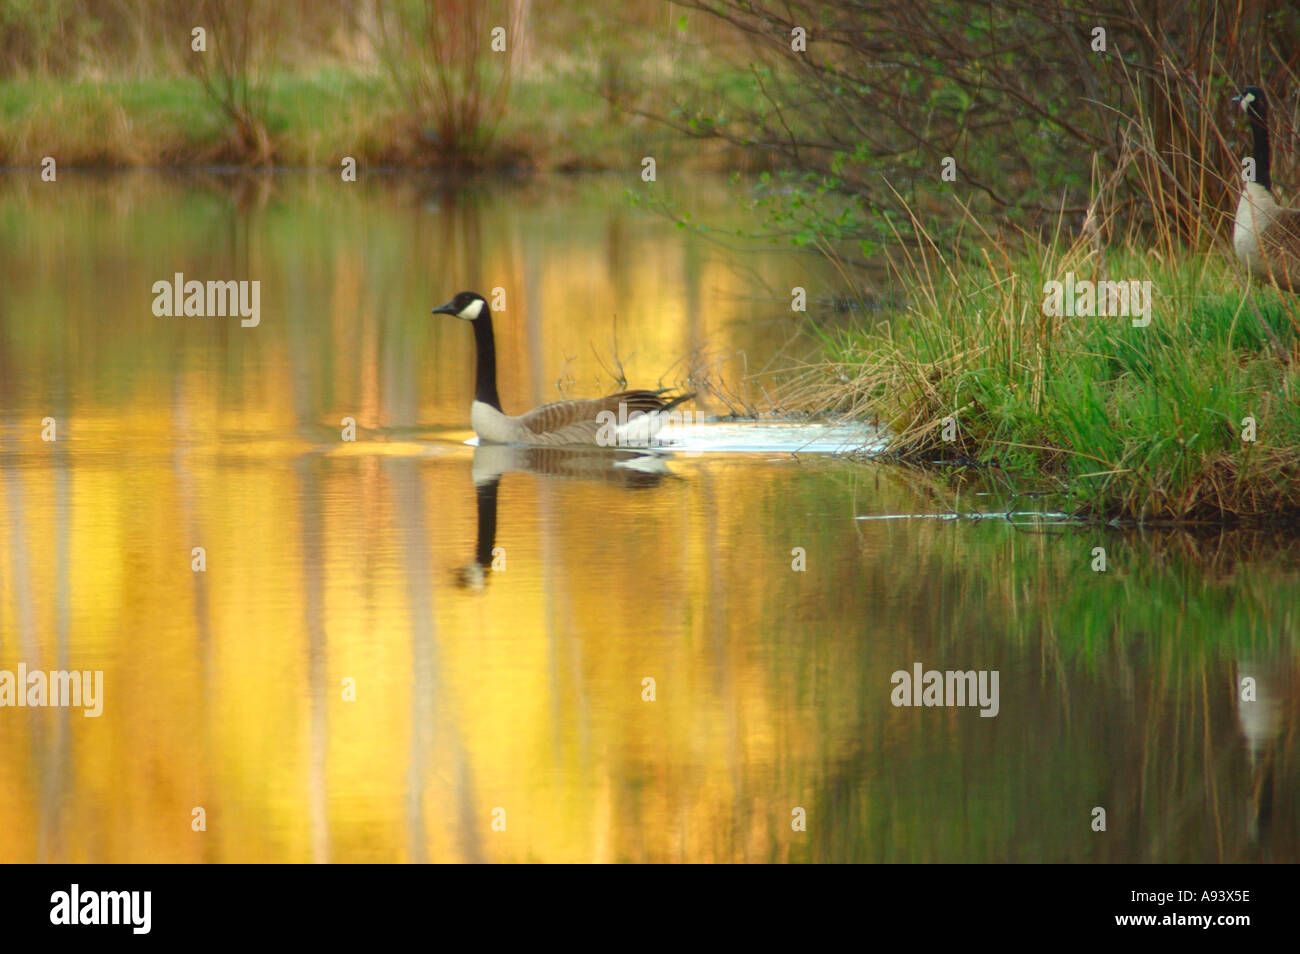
(446,309)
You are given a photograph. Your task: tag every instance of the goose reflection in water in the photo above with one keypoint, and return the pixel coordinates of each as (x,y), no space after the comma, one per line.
(630,470)
(1260,695)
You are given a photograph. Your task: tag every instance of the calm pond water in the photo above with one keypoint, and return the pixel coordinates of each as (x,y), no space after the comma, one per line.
(406,649)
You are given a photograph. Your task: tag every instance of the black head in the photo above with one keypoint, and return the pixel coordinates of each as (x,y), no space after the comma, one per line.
(467,305)
(1254,103)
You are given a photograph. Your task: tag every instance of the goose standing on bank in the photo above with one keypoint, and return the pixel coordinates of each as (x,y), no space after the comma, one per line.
(625,419)
(1265,236)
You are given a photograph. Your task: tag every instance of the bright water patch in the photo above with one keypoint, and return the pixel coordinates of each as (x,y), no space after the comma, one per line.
(757,437)
(716,437)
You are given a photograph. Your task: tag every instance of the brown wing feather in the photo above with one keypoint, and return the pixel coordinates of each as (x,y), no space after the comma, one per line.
(555,417)
(580,416)
(1279,243)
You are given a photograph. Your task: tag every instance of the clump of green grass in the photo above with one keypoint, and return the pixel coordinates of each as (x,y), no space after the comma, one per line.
(1142,423)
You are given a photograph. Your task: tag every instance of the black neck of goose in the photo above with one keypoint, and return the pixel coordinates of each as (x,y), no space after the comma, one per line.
(485,376)
(486,495)
(1262,171)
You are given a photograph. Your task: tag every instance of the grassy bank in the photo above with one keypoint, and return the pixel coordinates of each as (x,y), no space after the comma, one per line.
(497,85)
(1141,423)
(314,119)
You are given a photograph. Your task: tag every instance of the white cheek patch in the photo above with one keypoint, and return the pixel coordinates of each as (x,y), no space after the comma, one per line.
(1247,100)
(471,311)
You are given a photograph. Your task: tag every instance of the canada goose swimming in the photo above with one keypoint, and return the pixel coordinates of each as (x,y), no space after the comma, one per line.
(625,419)
(1265,236)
